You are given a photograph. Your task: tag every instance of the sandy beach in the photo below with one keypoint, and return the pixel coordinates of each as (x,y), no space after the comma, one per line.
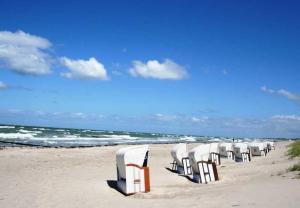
(85,177)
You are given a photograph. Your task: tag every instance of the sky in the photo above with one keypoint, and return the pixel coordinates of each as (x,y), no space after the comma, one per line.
(215,68)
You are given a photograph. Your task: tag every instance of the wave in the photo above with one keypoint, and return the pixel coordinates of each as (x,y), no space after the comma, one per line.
(7,127)
(188,138)
(60,137)
(31,132)
(16,136)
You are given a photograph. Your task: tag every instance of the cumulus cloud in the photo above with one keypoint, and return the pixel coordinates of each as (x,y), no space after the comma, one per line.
(283,93)
(3,85)
(84,69)
(25,53)
(153,69)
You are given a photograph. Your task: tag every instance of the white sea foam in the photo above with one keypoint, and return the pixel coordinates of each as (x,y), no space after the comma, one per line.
(215,140)
(72,136)
(122,136)
(51,142)
(188,138)
(16,136)
(7,127)
(31,132)
(39,129)
(59,130)
(97,131)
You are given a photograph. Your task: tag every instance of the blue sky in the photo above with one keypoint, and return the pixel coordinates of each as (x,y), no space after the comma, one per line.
(226,68)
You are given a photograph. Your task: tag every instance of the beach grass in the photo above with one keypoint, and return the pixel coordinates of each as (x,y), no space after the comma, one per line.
(295,167)
(294,152)
(294,149)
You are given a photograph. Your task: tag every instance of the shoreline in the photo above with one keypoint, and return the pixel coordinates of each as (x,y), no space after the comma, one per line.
(10,144)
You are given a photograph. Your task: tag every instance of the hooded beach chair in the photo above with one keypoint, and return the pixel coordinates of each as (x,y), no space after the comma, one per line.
(214,153)
(226,150)
(242,152)
(258,148)
(181,163)
(271,145)
(204,170)
(132,170)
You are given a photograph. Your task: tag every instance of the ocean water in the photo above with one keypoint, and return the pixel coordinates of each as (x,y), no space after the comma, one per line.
(13,135)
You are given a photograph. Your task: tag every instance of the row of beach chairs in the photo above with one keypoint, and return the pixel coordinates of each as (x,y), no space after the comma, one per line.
(200,163)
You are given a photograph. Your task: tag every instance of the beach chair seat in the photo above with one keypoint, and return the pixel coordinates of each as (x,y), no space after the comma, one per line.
(132,172)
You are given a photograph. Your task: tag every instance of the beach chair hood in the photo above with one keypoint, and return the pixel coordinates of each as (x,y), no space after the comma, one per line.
(243,147)
(178,152)
(136,155)
(199,153)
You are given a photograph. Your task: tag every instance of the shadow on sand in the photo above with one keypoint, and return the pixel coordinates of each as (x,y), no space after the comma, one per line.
(113,185)
(185,176)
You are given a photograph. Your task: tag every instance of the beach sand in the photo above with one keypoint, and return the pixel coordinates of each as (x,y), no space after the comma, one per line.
(85,177)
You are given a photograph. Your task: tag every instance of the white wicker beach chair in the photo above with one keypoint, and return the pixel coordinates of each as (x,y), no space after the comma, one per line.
(204,170)
(215,153)
(181,162)
(132,170)
(226,150)
(258,148)
(271,145)
(242,152)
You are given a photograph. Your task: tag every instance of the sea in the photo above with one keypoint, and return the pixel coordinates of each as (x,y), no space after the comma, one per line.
(17,135)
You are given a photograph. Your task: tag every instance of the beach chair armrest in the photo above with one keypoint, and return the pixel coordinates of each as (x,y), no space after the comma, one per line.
(134,165)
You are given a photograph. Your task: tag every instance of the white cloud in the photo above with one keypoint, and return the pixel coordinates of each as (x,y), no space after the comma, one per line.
(78,115)
(3,85)
(162,117)
(289,95)
(199,119)
(84,69)
(286,118)
(282,92)
(25,53)
(195,119)
(153,69)
(57,115)
(265,89)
